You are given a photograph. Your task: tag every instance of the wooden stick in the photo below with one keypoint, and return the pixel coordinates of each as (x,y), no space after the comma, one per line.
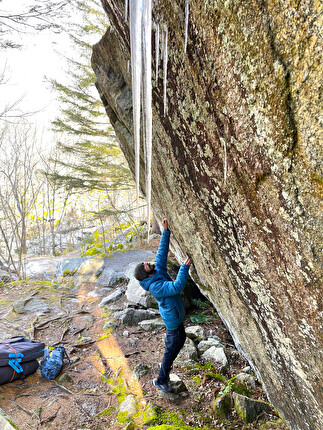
(32,414)
(63,388)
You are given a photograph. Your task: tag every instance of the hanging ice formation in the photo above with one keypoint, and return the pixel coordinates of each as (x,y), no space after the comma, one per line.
(136,71)
(186,24)
(147,102)
(140,46)
(156,52)
(165,60)
(126,10)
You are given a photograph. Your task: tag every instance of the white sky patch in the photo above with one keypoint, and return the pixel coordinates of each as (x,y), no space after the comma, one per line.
(26,68)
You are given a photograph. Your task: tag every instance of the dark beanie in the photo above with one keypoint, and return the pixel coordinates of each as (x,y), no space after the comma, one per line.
(140,273)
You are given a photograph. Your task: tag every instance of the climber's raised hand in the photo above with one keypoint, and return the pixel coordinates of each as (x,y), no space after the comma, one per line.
(165,223)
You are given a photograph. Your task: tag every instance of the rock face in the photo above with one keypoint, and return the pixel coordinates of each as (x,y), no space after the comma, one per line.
(238,156)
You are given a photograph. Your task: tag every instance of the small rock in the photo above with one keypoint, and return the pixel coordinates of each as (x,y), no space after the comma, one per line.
(132,317)
(85,340)
(133,341)
(65,378)
(246,369)
(141,370)
(214,336)
(176,383)
(112,297)
(88,319)
(249,409)
(125,333)
(168,396)
(74,359)
(216,355)
(204,345)
(109,324)
(248,380)
(222,406)
(196,333)
(105,290)
(129,405)
(151,325)
(114,308)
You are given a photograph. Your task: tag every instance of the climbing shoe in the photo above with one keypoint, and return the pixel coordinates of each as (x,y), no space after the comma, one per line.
(165,388)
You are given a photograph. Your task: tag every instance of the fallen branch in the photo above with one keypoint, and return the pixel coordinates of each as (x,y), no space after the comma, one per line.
(131,353)
(50,418)
(63,388)
(32,414)
(48,321)
(83,345)
(33,327)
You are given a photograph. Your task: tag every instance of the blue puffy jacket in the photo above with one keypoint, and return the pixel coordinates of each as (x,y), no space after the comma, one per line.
(164,289)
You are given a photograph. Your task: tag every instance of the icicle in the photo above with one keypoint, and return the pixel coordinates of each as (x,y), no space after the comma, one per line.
(126,10)
(157,52)
(147,97)
(165,60)
(128,66)
(136,70)
(162,41)
(186,23)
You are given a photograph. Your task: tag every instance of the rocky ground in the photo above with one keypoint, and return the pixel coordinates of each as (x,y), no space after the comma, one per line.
(114,356)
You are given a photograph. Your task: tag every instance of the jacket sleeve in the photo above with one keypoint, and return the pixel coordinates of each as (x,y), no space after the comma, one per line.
(161,257)
(172,288)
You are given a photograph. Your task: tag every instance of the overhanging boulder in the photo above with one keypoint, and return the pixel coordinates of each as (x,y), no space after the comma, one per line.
(237,169)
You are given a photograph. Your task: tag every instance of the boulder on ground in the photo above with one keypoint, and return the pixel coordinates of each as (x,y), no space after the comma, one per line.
(129,406)
(6,423)
(217,356)
(138,295)
(30,305)
(176,383)
(222,405)
(112,297)
(89,271)
(249,409)
(196,333)
(6,277)
(247,379)
(69,266)
(189,352)
(204,345)
(151,325)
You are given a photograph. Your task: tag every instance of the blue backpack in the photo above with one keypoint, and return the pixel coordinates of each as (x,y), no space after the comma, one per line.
(53,362)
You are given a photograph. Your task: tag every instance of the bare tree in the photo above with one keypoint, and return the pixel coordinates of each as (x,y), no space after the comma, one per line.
(17,167)
(38,16)
(54,196)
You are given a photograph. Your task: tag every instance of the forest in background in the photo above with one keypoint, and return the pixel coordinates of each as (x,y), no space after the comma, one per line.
(54,194)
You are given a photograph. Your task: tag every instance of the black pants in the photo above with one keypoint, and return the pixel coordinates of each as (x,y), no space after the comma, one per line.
(174,341)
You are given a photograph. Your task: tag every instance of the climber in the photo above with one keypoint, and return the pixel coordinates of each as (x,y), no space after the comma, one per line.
(155,279)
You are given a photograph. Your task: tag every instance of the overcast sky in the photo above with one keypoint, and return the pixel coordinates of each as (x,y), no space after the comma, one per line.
(27,67)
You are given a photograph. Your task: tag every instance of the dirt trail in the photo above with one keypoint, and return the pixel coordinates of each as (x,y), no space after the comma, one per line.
(87,394)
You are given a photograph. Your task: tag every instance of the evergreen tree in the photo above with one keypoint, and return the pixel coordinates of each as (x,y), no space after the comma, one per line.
(98,162)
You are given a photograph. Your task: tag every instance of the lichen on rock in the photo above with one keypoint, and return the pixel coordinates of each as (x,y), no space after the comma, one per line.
(248,83)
